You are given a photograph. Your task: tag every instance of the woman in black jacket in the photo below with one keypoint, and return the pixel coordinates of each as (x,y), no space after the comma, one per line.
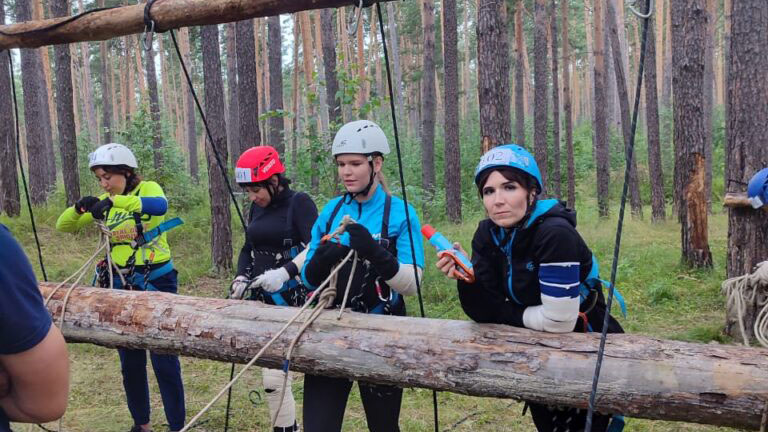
(279,228)
(532,268)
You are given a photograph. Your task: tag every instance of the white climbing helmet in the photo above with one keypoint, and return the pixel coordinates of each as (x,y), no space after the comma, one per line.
(112,154)
(360,137)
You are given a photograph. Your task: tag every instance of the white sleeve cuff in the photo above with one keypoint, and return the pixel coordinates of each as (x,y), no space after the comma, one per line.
(404,281)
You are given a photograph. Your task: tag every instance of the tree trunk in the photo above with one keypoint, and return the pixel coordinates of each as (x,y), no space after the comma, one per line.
(322,91)
(642,377)
(329,64)
(275,44)
(592,64)
(658,212)
(189,107)
(519,76)
(233,106)
(689,28)
(493,71)
(394,51)
(221,232)
(428,101)
(626,122)
(746,151)
(35,107)
(600,136)
(295,97)
(541,82)
(466,91)
(556,178)
(154,107)
(452,153)
(65,112)
(708,86)
(106,93)
(666,91)
(567,109)
(311,90)
(88,104)
(9,183)
(248,104)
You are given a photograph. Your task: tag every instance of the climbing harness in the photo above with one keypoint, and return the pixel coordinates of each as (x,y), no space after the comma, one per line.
(750,289)
(614,265)
(323,298)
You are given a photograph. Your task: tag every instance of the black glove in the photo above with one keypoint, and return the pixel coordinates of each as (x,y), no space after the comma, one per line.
(325,258)
(84,204)
(361,240)
(100,210)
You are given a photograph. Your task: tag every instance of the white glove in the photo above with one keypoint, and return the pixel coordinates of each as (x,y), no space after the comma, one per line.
(272,280)
(238,287)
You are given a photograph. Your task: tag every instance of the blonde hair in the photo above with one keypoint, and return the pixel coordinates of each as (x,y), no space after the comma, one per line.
(382,178)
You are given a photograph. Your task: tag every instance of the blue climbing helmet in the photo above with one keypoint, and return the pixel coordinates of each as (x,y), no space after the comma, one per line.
(757,191)
(511,156)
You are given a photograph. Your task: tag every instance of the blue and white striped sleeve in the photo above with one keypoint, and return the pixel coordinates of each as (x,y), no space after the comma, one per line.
(559,309)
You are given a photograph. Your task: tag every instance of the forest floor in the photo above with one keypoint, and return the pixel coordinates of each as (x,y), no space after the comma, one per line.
(665,300)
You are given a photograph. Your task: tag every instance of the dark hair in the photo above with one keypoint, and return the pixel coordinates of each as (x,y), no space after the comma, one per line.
(132,179)
(511,174)
(281,181)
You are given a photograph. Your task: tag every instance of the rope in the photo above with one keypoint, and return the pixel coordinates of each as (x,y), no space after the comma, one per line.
(323,301)
(622,208)
(21,168)
(402,181)
(750,289)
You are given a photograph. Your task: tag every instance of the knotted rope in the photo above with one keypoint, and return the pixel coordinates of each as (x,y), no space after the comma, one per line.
(749,289)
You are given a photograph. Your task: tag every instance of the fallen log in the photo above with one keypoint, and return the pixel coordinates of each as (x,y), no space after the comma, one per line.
(167,14)
(641,377)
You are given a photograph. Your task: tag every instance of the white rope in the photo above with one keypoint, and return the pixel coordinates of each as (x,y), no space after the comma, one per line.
(747,290)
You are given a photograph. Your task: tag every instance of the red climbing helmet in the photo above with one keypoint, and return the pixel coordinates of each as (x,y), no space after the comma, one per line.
(257,164)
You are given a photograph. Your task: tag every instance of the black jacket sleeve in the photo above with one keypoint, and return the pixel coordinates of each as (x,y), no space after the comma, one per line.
(304,216)
(484,300)
(244,259)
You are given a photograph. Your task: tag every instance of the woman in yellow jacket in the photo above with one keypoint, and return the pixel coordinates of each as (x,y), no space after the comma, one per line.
(134,212)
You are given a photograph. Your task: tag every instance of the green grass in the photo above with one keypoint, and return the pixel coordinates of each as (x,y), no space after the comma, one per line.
(665,300)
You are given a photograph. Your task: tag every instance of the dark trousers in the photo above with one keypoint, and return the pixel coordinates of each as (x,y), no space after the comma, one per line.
(325,400)
(549,418)
(168,373)
(167,369)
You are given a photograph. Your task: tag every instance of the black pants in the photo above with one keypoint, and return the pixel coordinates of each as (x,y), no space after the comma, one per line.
(325,400)
(549,418)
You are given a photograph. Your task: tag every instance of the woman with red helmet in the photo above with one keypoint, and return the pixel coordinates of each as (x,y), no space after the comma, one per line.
(279,227)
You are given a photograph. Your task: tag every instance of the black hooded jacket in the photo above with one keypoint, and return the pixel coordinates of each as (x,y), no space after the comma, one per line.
(548,236)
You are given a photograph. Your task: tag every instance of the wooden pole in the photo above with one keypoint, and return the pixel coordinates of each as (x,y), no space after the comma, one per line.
(167,14)
(641,377)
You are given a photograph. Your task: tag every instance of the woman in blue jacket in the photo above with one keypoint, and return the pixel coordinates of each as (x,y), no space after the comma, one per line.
(388,269)
(532,268)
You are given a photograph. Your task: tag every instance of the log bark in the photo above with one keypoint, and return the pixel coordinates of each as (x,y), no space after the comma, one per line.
(641,377)
(167,15)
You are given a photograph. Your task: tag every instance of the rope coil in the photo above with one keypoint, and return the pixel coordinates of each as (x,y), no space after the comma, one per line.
(750,289)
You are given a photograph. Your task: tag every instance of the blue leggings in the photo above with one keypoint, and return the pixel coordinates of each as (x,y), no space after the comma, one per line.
(167,371)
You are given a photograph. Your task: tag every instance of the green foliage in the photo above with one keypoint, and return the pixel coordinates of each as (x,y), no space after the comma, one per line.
(172,175)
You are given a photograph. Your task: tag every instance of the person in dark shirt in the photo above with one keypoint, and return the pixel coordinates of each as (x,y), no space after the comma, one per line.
(532,268)
(279,228)
(34,365)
